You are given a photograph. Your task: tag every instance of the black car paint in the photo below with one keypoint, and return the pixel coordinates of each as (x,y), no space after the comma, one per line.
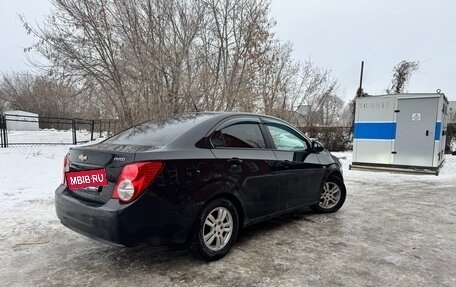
(262,183)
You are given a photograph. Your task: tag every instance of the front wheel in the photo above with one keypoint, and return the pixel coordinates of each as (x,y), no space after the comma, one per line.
(216,230)
(332,197)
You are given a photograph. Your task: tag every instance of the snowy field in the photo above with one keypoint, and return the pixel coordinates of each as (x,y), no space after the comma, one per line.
(50,136)
(394,230)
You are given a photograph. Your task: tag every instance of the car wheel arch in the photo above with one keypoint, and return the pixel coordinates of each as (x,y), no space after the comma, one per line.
(335,180)
(220,189)
(332,172)
(335,173)
(234,198)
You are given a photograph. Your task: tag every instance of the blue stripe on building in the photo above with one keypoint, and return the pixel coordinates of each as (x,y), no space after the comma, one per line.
(438,131)
(375,131)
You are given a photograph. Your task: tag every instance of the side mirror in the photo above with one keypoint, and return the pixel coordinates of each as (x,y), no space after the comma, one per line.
(317,147)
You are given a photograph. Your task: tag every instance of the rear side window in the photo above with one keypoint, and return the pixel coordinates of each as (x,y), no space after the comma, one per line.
(157,133)
(244,135)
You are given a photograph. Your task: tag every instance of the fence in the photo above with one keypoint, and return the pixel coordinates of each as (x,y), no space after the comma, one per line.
(31,130)
(340,138)
(333,138)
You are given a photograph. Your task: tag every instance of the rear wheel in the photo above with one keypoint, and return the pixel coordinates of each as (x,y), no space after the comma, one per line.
(216,230)
(332,197)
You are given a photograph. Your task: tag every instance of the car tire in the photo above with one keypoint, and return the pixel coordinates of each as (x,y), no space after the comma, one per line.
(332,196)
(215,231)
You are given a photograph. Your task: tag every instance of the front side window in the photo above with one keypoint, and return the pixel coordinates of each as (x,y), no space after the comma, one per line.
(285,138)
(244,135)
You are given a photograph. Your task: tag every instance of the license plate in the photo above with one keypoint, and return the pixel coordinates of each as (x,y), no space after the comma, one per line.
(86,178)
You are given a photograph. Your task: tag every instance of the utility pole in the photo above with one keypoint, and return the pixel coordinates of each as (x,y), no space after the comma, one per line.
(359,92)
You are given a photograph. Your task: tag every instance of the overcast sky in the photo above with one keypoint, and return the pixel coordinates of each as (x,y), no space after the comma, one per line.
(335,34)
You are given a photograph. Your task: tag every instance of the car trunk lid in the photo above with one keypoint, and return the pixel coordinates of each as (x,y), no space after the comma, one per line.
(112,159)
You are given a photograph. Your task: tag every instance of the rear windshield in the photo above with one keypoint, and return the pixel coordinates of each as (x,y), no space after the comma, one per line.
(157,133)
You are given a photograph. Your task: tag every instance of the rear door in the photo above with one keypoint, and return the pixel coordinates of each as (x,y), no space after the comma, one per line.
(244,161)
(302,173)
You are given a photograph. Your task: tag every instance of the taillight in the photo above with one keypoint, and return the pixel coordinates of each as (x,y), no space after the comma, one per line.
(134,179)
(66,167)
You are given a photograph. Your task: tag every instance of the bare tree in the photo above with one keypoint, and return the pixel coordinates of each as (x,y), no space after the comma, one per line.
(317,90)
(276,81)
(144,59)
(451,116)
(45,96)
(401,76)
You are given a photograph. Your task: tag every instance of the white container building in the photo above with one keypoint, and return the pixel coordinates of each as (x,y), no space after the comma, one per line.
(400,132)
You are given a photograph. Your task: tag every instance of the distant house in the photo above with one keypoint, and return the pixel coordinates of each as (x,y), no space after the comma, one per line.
(452,112)
(304,116)
(301,115)
(21,121)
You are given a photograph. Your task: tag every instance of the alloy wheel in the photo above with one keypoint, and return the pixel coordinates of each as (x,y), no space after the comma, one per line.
(217,229)
(330,195)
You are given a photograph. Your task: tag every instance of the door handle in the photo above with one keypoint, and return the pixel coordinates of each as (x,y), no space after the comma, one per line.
(235,161)
(427,132)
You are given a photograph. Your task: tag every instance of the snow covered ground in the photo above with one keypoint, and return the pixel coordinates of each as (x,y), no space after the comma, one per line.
(49,136)
(36,250)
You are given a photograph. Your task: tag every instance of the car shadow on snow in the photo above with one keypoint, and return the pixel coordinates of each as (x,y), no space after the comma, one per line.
(153,254)
(93,252)
(271,225)
(86,259)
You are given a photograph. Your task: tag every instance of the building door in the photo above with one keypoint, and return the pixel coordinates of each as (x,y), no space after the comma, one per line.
(415,131)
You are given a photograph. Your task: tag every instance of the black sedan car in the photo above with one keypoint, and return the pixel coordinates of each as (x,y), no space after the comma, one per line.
(195,178)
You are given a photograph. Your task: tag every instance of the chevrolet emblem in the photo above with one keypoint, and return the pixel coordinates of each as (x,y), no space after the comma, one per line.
(82,157)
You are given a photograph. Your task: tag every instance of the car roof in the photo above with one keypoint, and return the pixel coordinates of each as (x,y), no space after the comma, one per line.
(200,130)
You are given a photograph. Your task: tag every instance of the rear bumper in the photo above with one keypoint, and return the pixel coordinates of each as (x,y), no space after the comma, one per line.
(122,224)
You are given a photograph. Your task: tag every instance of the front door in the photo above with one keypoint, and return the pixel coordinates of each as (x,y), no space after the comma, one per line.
(415,132)
(302,173)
